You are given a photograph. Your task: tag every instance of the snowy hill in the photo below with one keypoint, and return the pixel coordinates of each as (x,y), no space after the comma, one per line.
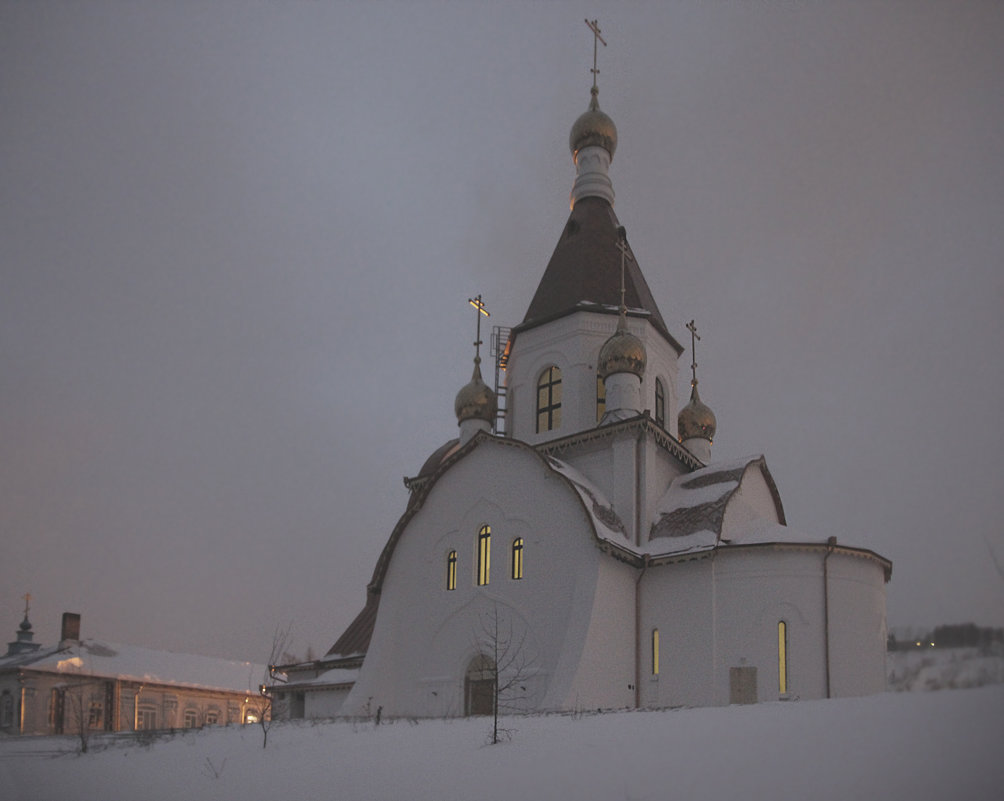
(944,668)
(894,746)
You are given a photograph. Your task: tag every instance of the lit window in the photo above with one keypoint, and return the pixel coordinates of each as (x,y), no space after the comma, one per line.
(782,657)
(517,558)
(146,718)
(451,571)
(601,398)
(660,404)
(655,652)
(484,554)
(549,400)
(96,715)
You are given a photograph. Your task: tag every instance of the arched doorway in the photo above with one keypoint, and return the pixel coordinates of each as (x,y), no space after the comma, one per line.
(479,686)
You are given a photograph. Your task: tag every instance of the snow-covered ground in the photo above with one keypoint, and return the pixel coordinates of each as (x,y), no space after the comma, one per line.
(944,668)
(937,745)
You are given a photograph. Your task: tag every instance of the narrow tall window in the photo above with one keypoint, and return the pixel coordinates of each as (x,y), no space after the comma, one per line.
(601,398)
(451,571)
(782,657)
(517,558)
(655,652)
(660,404)
(484,554)
(549,400)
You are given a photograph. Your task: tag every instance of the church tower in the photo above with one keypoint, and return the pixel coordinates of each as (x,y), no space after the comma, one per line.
(556,385)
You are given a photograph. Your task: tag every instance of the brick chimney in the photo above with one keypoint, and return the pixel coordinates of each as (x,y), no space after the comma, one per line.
(71,627)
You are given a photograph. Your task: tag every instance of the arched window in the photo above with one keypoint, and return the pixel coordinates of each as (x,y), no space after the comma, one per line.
(451,571)
(782,657)
(517,558)
(660,403)
(655,652)
(549,400)
(484,555)
(601,398)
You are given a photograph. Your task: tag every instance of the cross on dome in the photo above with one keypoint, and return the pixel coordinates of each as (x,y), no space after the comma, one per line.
(595,28)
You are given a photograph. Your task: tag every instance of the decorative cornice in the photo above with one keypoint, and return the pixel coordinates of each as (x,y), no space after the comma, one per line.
(641,424)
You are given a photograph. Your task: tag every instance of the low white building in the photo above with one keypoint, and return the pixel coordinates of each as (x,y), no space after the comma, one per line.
(590,553)
(96,686)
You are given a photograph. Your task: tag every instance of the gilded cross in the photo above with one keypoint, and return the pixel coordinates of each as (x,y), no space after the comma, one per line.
(595,28)
(622,246)
(27,600)
(480,306)
(694,339)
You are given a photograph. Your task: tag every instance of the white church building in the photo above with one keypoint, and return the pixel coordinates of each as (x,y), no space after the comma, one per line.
(579,547)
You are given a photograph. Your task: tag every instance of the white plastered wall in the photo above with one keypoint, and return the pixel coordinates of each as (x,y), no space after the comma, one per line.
(723,611)
(426,635)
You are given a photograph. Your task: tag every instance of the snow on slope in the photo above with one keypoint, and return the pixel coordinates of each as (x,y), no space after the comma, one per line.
(913,746)
(944,668)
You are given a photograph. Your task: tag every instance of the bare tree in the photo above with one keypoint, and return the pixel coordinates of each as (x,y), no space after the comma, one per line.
(508,662)
(266,690)
(82,713)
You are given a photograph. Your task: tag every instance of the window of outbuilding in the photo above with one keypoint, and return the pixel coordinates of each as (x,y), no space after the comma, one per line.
(6,710)
(601,398)
(96,715)
(146,717)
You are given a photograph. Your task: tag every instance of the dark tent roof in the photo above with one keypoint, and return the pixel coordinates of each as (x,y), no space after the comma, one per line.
(585,270)
(356,638)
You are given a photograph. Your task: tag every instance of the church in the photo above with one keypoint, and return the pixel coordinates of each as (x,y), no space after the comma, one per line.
(577,546)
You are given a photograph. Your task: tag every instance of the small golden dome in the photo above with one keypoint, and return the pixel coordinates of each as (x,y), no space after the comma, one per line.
(593,127)
(622,353)
(476,400)
(696,420)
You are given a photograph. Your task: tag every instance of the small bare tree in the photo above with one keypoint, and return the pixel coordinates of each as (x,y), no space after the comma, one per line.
(508,662)
(78,705)
(266,690)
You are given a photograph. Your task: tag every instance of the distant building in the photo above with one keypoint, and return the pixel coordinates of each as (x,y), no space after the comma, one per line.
(578,545)
(108,687)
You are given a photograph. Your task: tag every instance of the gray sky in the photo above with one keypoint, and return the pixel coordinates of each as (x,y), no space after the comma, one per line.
(237,240)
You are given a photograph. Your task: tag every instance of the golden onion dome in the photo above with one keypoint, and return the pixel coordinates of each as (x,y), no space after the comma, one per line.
(696,420)
(622,353)
(593,127)
(476,400)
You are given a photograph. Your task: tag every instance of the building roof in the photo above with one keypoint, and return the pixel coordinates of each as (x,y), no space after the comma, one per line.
(356,638)
(132,663)
(584,273)
(696,501)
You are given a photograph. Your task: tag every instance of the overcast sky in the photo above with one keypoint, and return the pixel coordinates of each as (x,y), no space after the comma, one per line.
(237,241)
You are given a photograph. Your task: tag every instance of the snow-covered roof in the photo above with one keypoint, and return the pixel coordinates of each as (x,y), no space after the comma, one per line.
(605,520)
(328,678)
(689,515)
(134,663)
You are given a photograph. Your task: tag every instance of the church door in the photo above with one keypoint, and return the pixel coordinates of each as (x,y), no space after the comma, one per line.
(479,687)
(742,685)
